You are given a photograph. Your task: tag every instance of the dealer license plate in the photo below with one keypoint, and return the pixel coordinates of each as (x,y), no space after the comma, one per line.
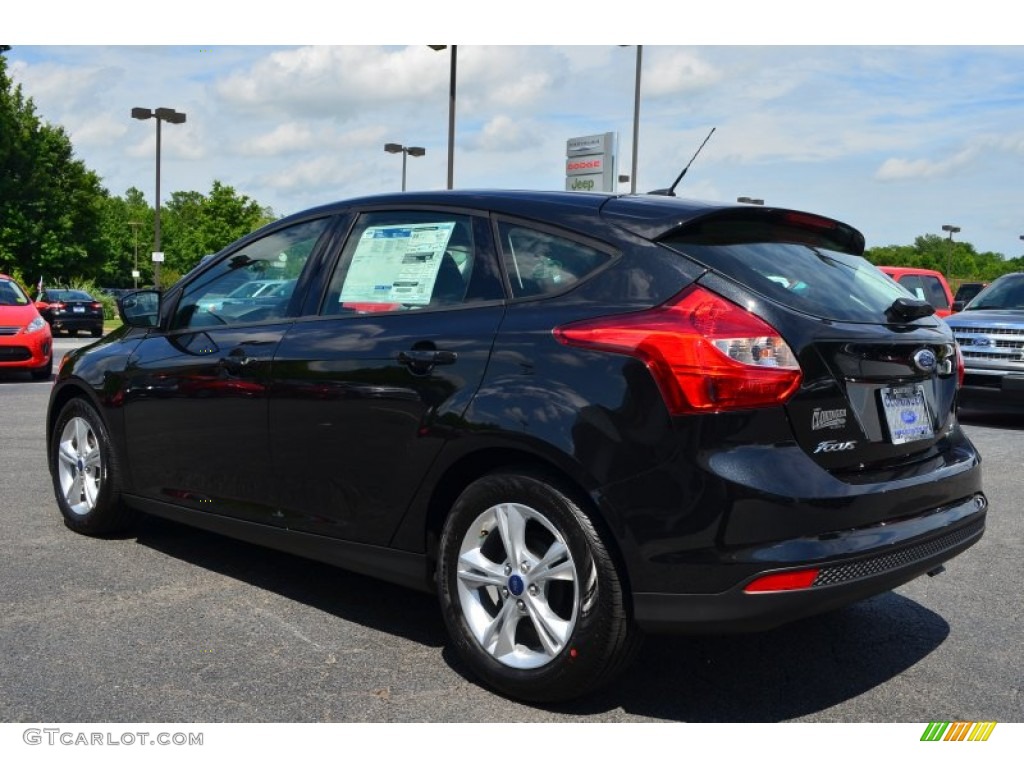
(78,309)
(906,412)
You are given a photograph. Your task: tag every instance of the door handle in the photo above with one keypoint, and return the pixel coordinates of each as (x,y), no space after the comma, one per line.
(236,361)
(423,359)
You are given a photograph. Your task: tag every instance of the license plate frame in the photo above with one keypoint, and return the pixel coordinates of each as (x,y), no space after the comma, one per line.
(78,310)
(905,408)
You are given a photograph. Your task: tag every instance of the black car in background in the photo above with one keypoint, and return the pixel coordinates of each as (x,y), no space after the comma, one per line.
(575,417)
(965,293)
(70,310)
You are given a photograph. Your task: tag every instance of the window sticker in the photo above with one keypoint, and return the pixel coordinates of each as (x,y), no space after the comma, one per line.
(397,263)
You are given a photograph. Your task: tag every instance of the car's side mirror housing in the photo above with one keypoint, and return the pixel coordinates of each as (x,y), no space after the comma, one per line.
(958,306)
(140,309)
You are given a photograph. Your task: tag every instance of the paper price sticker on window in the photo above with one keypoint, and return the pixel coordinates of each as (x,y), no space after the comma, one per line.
(397,263)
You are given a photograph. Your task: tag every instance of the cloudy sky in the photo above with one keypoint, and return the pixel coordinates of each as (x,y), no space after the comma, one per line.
(894,139)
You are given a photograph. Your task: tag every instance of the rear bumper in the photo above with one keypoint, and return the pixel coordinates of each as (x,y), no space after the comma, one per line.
(73,323)
(853,565)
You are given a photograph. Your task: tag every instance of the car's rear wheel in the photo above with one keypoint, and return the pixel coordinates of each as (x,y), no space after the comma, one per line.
(530,594)
(86,472)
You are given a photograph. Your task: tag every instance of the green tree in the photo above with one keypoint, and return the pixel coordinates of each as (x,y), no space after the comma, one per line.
(51,205)
(193,225)
(126,226)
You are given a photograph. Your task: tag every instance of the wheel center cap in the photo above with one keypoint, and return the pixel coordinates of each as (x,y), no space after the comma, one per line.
(516,585)
(81,465)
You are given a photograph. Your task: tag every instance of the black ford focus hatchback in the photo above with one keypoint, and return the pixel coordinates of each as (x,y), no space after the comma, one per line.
(575,417)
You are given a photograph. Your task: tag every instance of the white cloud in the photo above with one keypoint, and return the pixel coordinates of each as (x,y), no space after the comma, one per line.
(333,81)
(677,73)
(503,133)
(285,138)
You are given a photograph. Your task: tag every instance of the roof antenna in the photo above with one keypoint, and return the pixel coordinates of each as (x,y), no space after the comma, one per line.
(671,191)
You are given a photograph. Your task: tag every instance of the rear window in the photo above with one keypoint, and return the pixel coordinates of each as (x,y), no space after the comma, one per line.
(808,278)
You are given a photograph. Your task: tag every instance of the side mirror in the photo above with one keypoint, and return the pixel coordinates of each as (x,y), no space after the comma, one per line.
(958,306)
(140,309)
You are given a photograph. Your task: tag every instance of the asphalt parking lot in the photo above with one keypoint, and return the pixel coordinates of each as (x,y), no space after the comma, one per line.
(176,625)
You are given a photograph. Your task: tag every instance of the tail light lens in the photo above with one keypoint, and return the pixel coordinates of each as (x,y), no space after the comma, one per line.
(59,306)
(961,369)
(96,305)
(783,582)
(706,353)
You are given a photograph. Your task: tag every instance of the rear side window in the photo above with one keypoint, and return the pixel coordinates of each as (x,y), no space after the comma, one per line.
(804,277)
(540,263)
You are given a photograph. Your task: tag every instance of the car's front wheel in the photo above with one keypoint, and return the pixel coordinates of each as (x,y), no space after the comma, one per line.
(43,373)
(529,591)
(86,472)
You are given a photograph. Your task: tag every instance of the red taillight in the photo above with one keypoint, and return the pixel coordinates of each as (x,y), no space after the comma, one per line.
(961,369)
(59,306)
(95,305)
(706,353)
(781,582)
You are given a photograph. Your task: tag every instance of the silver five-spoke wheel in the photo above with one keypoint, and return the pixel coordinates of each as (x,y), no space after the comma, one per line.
(86,472)
(79,465)
(518,585)
(529,592)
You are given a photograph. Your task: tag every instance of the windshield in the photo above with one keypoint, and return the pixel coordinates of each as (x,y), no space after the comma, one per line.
(808,278)
(1005,293)
(11,294)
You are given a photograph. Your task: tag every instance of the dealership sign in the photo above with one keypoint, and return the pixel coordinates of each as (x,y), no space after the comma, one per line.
(590,163)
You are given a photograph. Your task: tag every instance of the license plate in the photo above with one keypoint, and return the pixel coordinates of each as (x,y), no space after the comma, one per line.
(906,412)
(78,309)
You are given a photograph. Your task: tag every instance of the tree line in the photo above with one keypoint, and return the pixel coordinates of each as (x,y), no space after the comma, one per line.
(958,261)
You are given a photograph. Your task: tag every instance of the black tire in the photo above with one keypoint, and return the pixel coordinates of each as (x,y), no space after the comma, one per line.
(567,630)
(86,472)
(44,373)
(97,332)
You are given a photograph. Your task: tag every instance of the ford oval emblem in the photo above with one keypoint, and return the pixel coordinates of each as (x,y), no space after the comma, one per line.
(925,360)
(908,417)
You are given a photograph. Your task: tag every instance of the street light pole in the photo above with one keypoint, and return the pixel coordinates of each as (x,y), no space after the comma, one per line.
(135,232)
(636,119)
(406,151)
(161,114)
(451,113)
(949,258)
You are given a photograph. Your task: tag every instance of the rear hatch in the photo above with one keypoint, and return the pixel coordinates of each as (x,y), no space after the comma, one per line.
(879,372)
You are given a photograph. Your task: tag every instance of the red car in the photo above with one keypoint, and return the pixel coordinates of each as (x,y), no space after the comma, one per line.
(26,342)
(926,284)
